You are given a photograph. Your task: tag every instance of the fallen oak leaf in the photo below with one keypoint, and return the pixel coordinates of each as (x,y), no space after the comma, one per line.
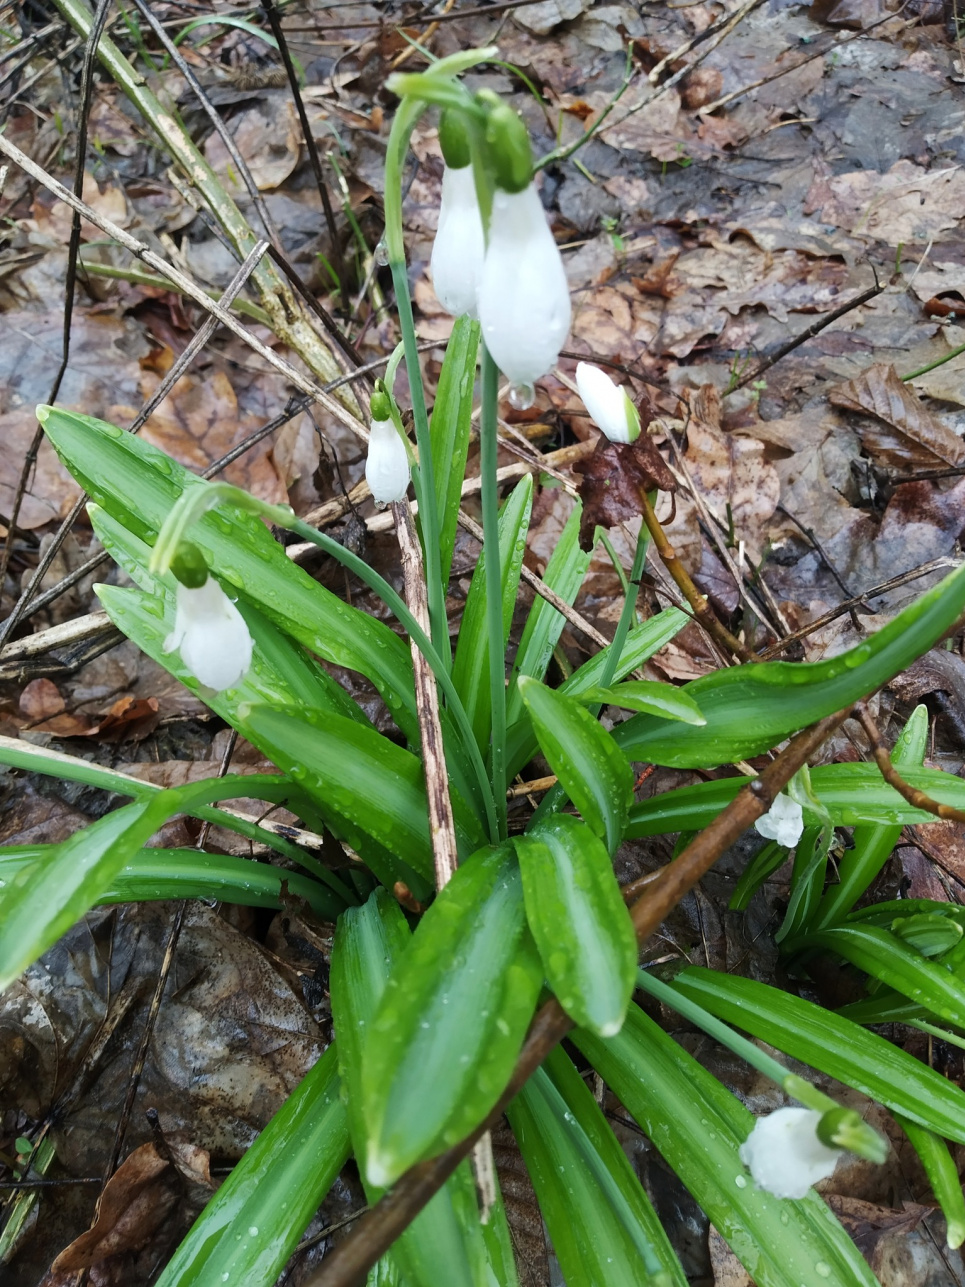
(614,477)
(895,427)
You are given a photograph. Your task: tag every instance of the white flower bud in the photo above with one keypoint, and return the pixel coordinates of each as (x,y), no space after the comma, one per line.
(460,246)
(783,822)
(608,404)
(784,1154)
(211,635)
(524,299)
(387,464)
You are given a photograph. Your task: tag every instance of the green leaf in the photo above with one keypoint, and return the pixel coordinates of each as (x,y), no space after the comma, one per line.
(698,1126)
(137,485)
(833,1044)
(253,1223)
(453,1017)
(585,758)
(664,700)
(564,574)
(580,922)
(942,1176)
(152,875)
(927,933)
(751,708)
(764,864)
(449,431)
(446,1242)
(470,669)
(600,1220)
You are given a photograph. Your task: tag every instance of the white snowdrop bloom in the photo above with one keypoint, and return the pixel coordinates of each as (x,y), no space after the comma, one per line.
(387,464)
(524,299)
(211,635)
(460,246)
(785,1156)
(783,822)
(609,404)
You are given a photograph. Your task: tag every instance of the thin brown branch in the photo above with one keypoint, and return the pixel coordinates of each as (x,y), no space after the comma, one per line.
(917,799)
(351,1260)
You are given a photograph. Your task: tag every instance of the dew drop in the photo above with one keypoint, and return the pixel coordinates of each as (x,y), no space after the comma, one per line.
(740,1181)
(823,1269)
(253,1230)
(381,253)
(521,396)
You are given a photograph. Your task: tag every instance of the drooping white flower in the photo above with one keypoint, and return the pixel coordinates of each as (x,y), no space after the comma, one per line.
(783,822)
(784,1154)
(609,404)
(387,464)
(524,299)
(211,635)
(460,246)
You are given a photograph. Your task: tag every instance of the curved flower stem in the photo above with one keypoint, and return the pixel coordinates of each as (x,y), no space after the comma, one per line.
(488,450)
(615,651)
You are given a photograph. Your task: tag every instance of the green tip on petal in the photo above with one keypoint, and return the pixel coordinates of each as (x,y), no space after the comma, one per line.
(633,419)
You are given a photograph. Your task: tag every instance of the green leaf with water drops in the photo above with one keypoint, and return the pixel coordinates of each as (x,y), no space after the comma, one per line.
(584,757)
(749,709)
(664,700)
(453,1017)
(942,1176)
(698,1126)
(835,1045)
(137,485)
(249,1229)
(579,920)
(449,431)
(601,1222)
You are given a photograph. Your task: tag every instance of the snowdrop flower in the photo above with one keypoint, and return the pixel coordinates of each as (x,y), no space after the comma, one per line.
(524,299)
(459,247)
(783,822)
(785,1155)
(609,404)
(211,635)
(387,464)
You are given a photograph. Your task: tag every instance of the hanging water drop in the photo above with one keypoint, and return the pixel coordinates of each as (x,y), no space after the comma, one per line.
(521,396)
(381,253)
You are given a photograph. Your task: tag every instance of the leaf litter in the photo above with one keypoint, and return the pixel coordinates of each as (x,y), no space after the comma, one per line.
(698,239)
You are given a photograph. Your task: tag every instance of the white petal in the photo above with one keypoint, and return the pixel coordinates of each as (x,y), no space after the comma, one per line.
(211,635)
(783,822)
(784,1154)
(460,246)
(524,299)
(387,464)
(605,401)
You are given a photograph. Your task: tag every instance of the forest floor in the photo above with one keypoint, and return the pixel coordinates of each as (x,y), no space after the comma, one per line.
(764,235)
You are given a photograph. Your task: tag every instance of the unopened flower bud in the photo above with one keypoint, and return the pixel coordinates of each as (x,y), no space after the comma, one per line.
(524,299)
(783,822)
(608,404)
(211,635)
(387,464)
(459,249)
(785,1155)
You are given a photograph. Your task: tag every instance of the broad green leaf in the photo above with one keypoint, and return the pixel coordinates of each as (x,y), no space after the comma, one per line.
(579,920)
(942,1176)
(851,793)
(470,668)
(251,1226)
(564,574)
(833,1044)
(137,485)
(872,846)
(363,777)
(39,905)
(152,875)
(764,864)
(452,1019)
(751,708)
(664,700)
(807,879)
(449,430)
(698,1127)
(927,933)
(602,1225)
(446,1242)
(584,757)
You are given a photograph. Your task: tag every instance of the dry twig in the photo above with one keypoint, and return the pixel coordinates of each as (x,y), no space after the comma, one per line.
(918,799)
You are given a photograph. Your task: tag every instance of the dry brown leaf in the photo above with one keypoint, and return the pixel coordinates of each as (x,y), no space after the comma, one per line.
(904,205)
(40,699)
(267,138)
(728,1270)
(903,433)
(613,479)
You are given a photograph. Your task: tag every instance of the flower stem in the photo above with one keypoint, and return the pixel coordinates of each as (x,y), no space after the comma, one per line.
(632,593)
(488,449)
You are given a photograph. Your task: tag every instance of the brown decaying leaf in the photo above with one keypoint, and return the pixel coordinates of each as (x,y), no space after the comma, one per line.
(902,433)
(613,479)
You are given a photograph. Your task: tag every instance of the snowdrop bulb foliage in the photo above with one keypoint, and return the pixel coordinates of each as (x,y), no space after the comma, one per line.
(524,299)
(783,822)
(211,635)
(387,464)
(608,404)
(460,246)
(784,1154)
